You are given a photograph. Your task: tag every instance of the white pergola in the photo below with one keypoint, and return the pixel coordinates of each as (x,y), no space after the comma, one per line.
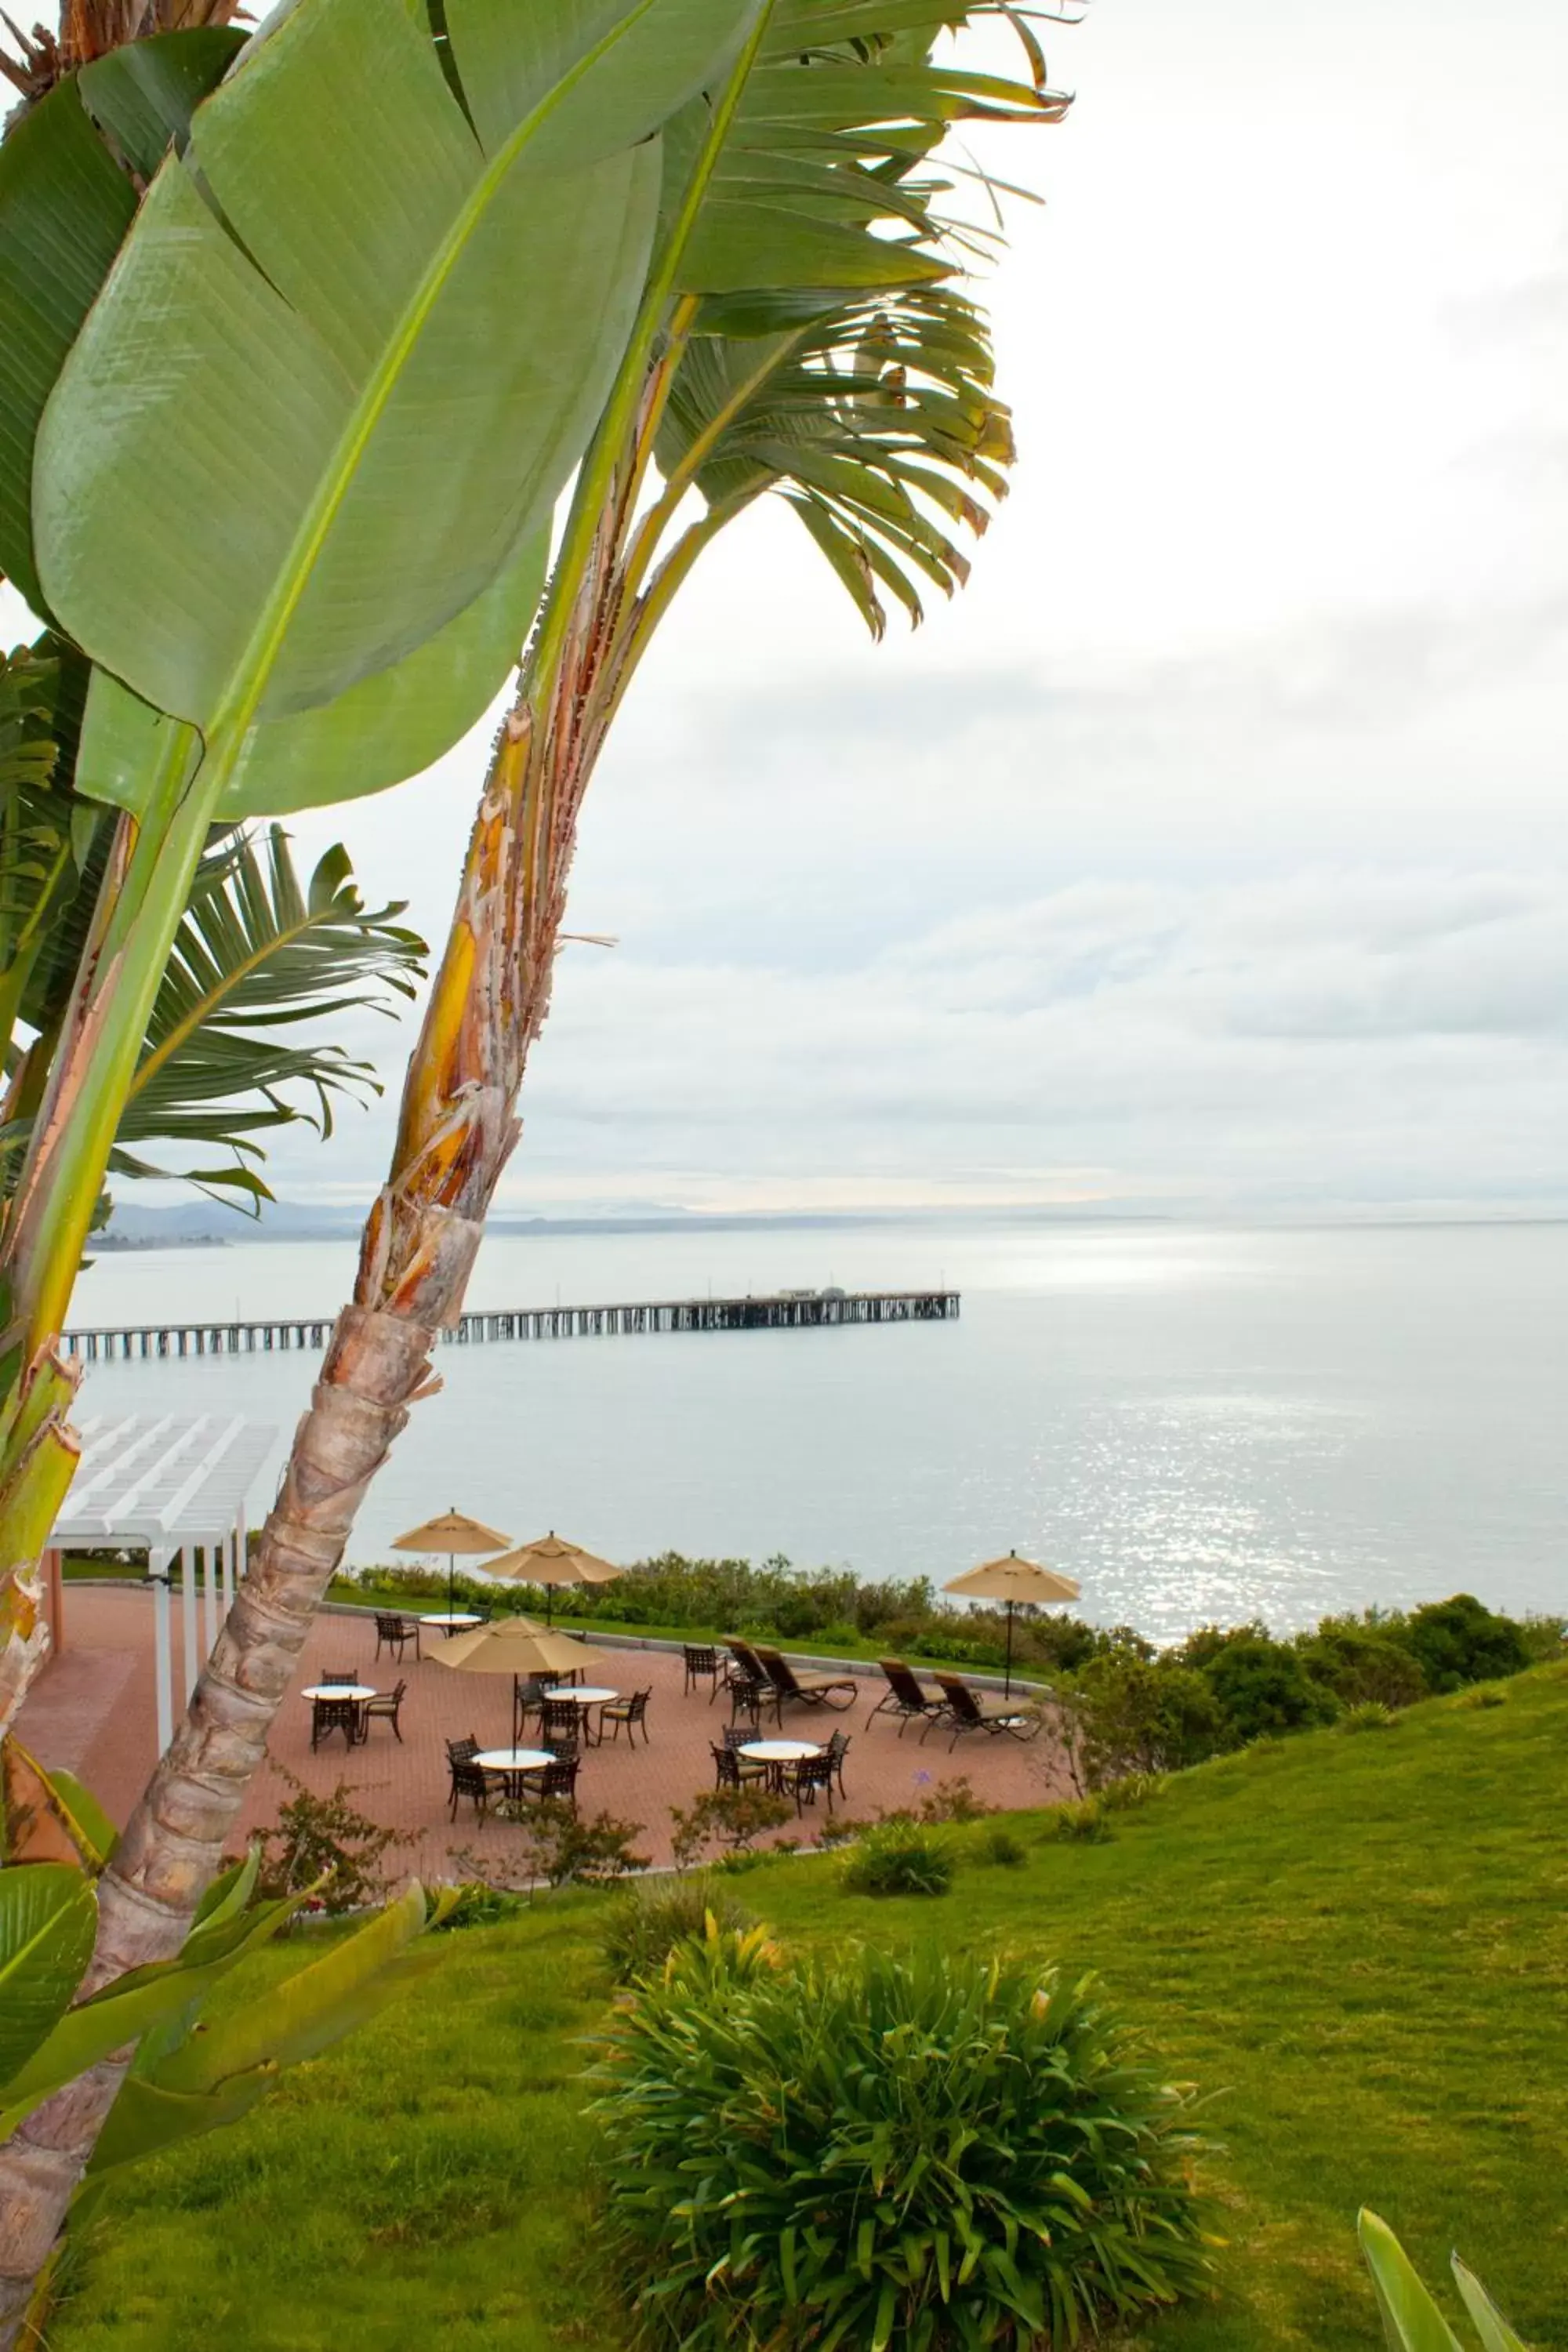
(174,1485)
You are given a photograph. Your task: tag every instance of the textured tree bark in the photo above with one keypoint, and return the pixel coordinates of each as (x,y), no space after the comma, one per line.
(457,1131)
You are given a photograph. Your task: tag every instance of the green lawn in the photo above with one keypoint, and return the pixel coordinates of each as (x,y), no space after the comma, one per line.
(1358,1945)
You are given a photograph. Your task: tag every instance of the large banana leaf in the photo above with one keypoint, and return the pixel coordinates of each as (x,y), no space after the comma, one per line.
(65,205)
(348,353)
(48,1918)
(1410,2320)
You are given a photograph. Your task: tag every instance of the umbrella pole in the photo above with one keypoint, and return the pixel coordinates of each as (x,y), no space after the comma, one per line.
(451,1564)
(1008,1686)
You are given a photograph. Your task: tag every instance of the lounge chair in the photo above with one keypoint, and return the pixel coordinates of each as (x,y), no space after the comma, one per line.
(904,1697)
(836,1691)
(966,1712)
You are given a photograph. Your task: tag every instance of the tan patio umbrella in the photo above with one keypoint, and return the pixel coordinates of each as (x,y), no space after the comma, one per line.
(452,1533)
(1012,1580)
(551,1561)
(516,1646)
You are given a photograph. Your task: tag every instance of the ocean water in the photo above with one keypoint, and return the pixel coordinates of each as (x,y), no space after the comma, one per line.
(1199,1425)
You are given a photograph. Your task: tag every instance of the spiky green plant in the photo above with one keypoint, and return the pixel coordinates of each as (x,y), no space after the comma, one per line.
(886,2153)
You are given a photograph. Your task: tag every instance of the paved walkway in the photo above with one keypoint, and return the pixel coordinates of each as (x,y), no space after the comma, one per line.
(92,1711)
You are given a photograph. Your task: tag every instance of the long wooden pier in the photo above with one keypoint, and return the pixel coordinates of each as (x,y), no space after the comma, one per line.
(785,1310)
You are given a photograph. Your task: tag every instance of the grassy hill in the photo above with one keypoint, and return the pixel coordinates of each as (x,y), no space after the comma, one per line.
(1359,1945)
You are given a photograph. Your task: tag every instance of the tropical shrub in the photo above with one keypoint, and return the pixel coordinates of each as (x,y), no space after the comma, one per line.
(1361,1664)
(1123,1712)
(325,1851)
(1410,2320)
(897,1856)
(1003,1848)
(1085,1823)
(724,1817)
(970,2154)
(650,1920)
(1134,1789)
(1461,1640)
(1370,1714)
(1262,1688)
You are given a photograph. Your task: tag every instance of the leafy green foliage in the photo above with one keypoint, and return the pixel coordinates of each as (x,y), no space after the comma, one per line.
(650,1920)
(1262,1688)
(774,1601)
(1123,1713)
(1000,1847)
(257,953)
(1086,1821)
(1410,2320)
(734,1818)
(967,2155)
(897,1856)
(1368,1715)
(1461,1640)
(325,1851)
(356,425)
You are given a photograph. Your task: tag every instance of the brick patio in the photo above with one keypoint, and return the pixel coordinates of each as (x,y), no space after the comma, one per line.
(92,1711)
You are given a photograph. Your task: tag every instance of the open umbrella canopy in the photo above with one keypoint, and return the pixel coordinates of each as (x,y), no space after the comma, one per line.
(453,1532)
(1014,1579)
(551,1561)
(1015,1583)
(516,1645)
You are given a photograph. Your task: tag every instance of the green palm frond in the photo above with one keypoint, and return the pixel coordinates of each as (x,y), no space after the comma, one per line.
(258,952)
(879,425)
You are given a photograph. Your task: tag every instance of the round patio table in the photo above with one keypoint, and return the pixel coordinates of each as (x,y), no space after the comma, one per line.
(776,1753)
(585,1695)
(457,1621)
(513,1765)
(339,1690)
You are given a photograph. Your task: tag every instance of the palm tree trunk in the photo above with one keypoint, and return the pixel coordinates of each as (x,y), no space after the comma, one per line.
(456,1134)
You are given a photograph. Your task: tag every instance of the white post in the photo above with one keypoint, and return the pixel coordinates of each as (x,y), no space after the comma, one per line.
(241,1548)
(188,1614)
(163,1668)
(211,1554)
(230,1568)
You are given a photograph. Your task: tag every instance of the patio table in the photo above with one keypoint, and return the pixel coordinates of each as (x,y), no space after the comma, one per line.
(351,1694)
(457,1621)
(776,1753)
(511,1766)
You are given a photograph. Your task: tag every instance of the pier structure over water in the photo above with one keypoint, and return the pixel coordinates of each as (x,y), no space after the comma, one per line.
(785,1310)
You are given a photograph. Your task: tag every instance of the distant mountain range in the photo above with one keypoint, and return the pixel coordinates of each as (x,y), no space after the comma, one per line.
(196,1224)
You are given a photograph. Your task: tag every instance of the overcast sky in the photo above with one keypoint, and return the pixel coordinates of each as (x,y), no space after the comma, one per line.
(1211,848)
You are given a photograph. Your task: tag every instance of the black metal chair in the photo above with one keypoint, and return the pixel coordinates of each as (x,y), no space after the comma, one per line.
(394,1631)
(560,1722)
(556,1783)
(330,1714)
(730,1769)
(470,1779)
(838,1748)
(803,1778)
(382,1708)
(632,1711)
(351,1676)
(700,1661)
(462,1751)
